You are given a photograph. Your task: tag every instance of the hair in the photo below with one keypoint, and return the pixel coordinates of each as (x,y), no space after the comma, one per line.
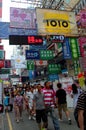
(59,85)
(45,83)
(74,89)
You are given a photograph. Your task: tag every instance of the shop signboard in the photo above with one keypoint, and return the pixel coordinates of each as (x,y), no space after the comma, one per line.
(25,40)
(82,44)
(2,65)
(1,47)
(53,77)
(74,48)
(76,67)
(41,63)
(30,65)
(2,54)
(31,54)
(46,54)
(4,71)
(22,31)
(54,22)
(54,68)
(66,49)
(7,63)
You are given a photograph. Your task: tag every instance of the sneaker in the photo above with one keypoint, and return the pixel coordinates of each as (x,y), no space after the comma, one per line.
(21,119)
(17,121)
(29,117)
(60,119)
(33,118)
(69,122)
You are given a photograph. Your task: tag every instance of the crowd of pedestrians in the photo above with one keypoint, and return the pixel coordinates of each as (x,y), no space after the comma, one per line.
(40,101)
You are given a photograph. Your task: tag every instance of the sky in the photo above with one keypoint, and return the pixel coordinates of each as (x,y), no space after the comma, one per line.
(6,18)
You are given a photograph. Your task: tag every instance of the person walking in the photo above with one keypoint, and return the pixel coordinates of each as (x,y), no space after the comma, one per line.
(61,103)
(18,106)
(81,108)
(76,91)
(49,101)
(39,107)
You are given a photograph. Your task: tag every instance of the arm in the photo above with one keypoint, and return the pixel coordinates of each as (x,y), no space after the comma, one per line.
(81,119)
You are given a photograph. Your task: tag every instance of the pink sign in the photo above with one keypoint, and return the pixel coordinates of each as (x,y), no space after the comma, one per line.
(22,18)
(83,18)
(82,43)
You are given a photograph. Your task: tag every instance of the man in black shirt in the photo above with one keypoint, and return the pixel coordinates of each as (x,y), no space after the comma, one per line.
(62,102)
(81,107)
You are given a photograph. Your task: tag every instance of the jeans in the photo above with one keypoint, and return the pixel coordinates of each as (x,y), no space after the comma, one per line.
(54,117)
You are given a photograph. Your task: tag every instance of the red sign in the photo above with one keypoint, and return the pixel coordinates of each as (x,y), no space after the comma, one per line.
(1,63)
(82,43)
(1,47)
(35,40)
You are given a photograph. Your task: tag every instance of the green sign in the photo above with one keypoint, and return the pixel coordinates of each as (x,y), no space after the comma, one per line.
(1,54)
(74,48)
(76,67)
(30,65)
(54,68)
(4,71)
(46,54)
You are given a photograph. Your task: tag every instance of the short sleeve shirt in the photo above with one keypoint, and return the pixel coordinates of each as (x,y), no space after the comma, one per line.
(81,104)
(61,95)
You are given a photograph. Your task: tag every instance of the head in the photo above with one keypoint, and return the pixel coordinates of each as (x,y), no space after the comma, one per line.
(74,88)
(39,87)
(47,84)
(59,85)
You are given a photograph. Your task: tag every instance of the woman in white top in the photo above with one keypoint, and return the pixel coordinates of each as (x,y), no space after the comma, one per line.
(76,91)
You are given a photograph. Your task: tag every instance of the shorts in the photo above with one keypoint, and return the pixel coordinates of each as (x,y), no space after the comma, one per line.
(62,107)
(41,115)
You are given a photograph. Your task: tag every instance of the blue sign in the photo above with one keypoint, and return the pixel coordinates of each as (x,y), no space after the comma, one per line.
(4,30)
(66,49)
(53,77)
(22,31)
(31,54)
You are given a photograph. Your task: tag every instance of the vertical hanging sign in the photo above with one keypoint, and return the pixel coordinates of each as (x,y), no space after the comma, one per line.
(66,49)
(74,48)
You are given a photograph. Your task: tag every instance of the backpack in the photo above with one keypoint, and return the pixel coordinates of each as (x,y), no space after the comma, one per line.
(76,116)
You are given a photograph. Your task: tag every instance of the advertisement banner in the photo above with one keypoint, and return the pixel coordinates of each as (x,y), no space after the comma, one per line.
(82,44)
(46,54)
(22,18)
(66,49)
(31,54)
(83,18)
(74,48)
(18,62)
(56,22)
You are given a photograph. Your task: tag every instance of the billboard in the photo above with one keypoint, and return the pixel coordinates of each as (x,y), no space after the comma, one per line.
(22,18)
(56,22)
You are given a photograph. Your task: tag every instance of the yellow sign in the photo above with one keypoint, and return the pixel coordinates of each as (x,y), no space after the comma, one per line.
(56,22)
